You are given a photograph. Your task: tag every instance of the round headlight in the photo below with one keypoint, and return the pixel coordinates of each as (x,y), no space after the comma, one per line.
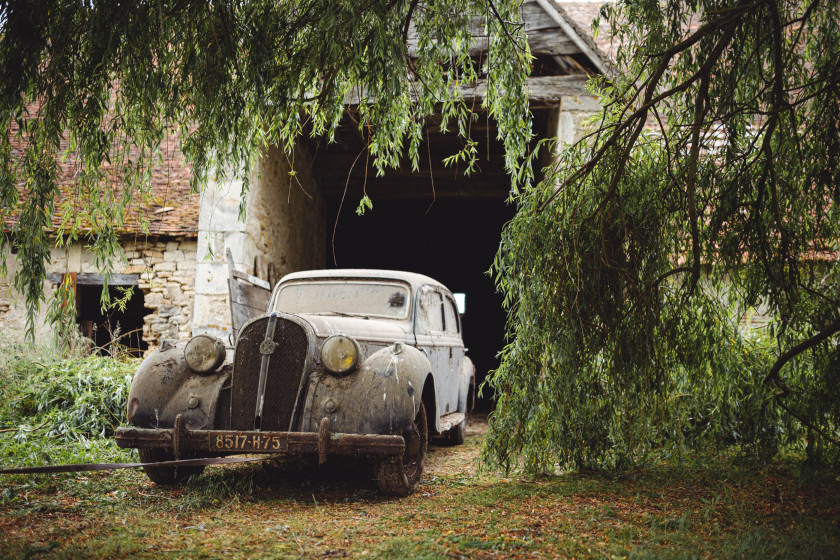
(204,353)
(340,354)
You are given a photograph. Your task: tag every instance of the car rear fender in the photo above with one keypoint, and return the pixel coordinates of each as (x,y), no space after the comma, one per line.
(467,375)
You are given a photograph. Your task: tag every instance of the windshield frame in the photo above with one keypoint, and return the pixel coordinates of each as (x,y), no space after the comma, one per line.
(409,305)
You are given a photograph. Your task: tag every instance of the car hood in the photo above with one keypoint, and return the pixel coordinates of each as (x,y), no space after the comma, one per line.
(360,328)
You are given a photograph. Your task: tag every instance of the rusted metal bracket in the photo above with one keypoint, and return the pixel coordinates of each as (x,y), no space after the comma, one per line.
(323,440)
(179,432)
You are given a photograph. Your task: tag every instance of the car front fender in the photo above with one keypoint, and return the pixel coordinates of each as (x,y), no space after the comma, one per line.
(382,396)
(164,387)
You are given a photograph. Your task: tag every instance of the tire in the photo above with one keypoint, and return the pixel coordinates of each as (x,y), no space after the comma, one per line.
(401,475)
(165,476)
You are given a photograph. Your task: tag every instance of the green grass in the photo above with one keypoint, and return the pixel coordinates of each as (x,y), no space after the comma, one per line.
(715,507)
(714,511)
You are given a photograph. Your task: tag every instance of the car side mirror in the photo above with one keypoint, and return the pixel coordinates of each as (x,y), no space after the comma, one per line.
(461,302)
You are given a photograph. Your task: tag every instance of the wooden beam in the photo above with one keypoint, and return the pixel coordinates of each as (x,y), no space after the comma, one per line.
(544,34)
(541,89)
(573,35)
(549,41)
(92,279)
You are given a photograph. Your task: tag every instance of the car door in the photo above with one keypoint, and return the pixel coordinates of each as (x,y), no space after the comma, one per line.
(454,343)
(441,342)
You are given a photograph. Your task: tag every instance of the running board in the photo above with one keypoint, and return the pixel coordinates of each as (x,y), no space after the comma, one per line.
(451,420)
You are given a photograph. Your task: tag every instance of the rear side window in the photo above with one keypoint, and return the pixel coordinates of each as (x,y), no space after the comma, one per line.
(450,317)
(430,311)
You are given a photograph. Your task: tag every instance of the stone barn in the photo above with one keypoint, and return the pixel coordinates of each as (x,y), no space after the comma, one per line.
(436,221)
(158,263)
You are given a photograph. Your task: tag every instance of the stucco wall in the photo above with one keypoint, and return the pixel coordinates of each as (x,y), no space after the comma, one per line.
(219,229)
(284,223)
(286,214)
(575,111)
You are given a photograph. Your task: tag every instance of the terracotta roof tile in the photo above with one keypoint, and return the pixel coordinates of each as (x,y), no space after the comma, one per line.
(582,14)
(169,208)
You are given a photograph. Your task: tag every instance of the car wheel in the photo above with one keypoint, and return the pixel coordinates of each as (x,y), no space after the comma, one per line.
(400,476)
(165,476)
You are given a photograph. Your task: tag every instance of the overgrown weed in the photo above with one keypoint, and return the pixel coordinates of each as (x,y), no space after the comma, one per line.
(60,409)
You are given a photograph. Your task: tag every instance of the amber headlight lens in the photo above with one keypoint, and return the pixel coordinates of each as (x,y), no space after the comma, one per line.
(340,354)
(204,353)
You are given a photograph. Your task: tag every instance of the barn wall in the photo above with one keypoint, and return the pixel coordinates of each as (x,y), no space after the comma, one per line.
(284,227)
(219,230)
(575,111)
(167,278)
(12,310)
(286,214)
(166,269)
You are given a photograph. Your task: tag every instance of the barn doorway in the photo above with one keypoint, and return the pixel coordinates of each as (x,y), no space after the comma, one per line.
(452,241)
(436,221)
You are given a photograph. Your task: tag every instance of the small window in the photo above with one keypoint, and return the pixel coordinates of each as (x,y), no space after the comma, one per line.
(430,314)
(111,330)
(450,317)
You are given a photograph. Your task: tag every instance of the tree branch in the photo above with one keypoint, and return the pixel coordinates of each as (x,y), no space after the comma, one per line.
(773,374)
(650,86)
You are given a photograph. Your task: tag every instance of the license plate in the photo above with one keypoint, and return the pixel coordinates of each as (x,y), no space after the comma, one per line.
(248,442)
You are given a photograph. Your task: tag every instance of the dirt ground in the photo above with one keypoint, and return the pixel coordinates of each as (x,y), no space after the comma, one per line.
(263,511)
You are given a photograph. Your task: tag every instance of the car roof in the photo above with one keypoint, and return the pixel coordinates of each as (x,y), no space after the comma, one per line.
(412,278)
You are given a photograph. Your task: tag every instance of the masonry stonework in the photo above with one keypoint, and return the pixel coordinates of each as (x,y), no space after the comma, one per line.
(285,225)
(166,269)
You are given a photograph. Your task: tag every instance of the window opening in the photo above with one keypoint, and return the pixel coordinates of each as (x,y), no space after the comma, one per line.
(112,331)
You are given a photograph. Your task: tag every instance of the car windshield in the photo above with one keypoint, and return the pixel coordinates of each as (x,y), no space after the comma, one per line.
(344,297)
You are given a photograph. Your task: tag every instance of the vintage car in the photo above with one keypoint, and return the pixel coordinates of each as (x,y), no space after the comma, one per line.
(359,363)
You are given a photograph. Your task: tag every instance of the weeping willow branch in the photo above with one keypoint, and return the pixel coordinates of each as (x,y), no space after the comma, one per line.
(705,190)
(102,84)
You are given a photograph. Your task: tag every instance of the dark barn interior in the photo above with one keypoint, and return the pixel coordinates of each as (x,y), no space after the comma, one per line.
(437,221)
(114,329)
(454,242)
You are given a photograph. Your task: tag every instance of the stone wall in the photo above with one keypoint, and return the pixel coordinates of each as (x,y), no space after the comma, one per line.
(575,111)
(285,212)
(167,279)
(12,310)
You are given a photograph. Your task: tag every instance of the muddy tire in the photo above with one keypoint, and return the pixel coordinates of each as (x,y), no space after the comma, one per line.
(165,476)
(400,476)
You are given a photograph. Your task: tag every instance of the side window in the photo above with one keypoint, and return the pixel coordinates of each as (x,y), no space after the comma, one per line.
(431,310)
(450,317)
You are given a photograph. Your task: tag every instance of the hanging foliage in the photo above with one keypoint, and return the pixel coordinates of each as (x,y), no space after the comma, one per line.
(103,83)
(706,189)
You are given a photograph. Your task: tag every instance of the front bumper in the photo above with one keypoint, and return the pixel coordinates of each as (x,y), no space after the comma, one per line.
(183,442)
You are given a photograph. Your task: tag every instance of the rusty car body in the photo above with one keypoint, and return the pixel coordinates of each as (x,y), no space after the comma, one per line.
(362,363)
